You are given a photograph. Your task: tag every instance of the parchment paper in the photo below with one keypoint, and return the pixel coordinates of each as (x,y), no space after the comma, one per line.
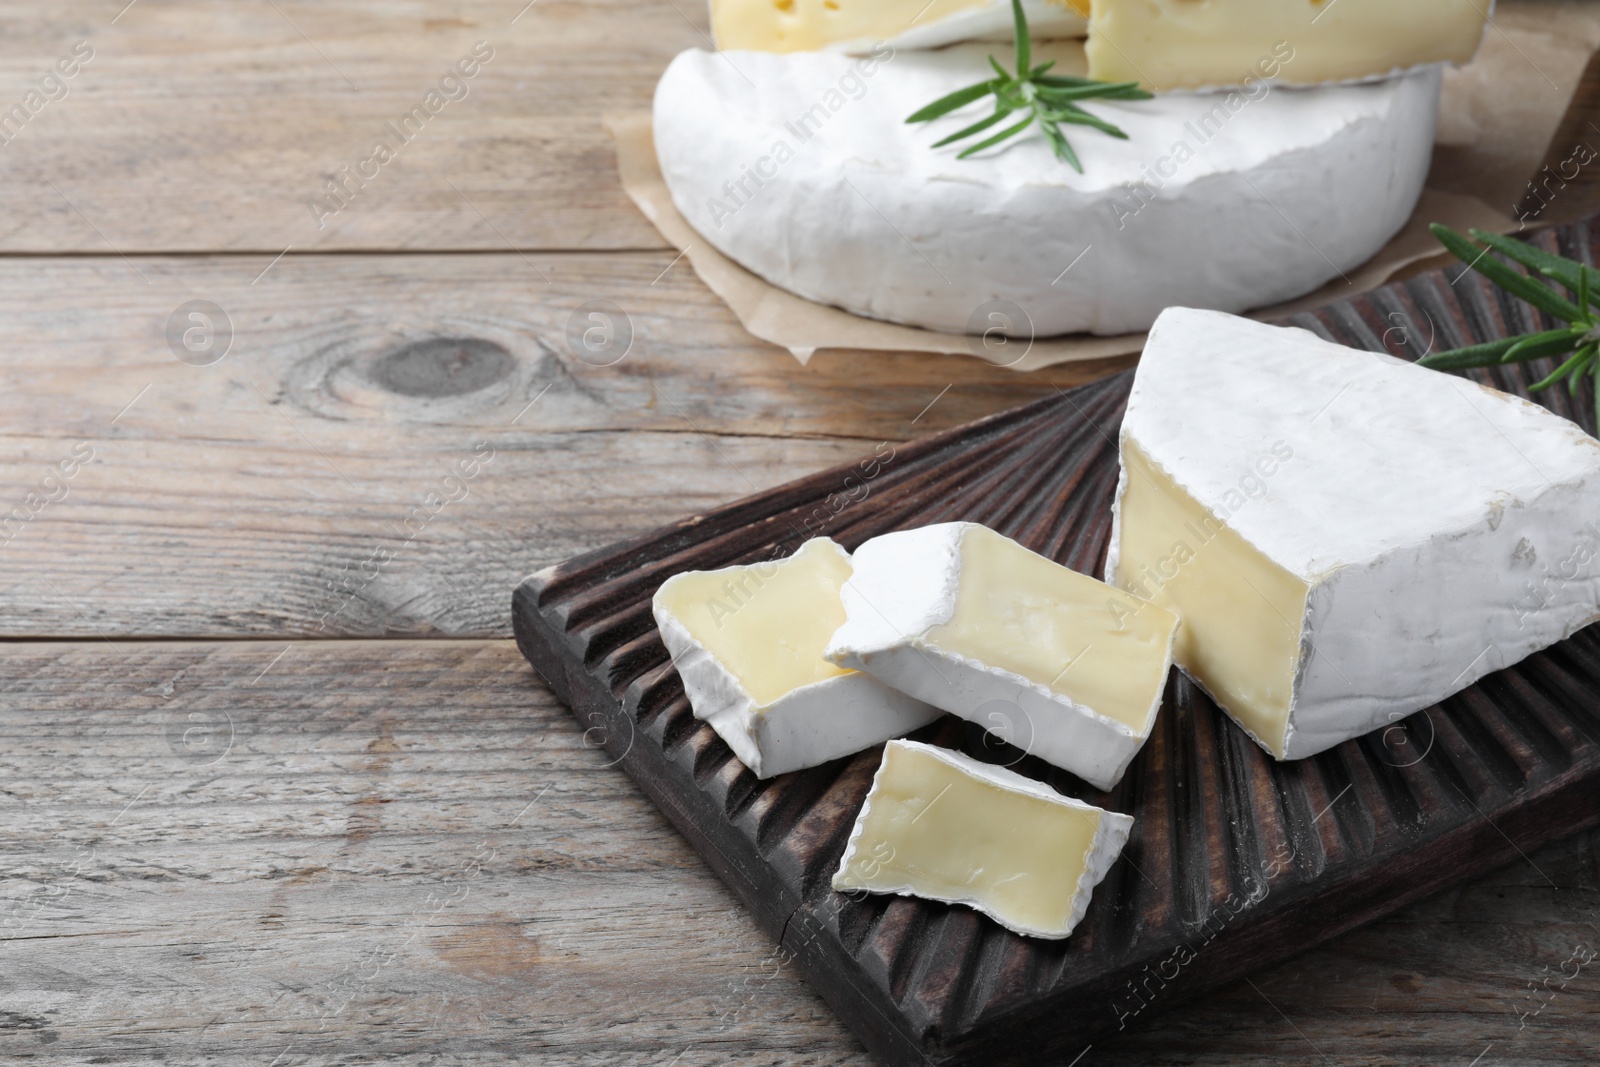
(1496,118)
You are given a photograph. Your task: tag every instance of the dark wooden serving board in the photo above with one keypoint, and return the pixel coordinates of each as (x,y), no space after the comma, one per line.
(1235,862)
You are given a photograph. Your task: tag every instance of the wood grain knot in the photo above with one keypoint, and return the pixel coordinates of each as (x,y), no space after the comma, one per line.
(442,366)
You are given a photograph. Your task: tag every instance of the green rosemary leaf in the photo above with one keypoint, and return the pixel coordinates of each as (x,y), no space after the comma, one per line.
(1571,275)
(976,127)
(958,99)
(1060,145)
(1108,90)
(1456,244)
(1482,355)
(997,138)
(1539,345)
(1046,99)
(1083,92)
(1483,261)
(1576,278)
(1024,46)
(1575,379)
(1062,81)
(1579,358)
(1013,96)
(1079,117)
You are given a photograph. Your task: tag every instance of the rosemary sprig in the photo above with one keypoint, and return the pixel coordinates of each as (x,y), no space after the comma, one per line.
(1048,99)
(1579,340)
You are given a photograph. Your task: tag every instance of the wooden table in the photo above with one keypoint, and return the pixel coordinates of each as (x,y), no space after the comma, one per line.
(277,788)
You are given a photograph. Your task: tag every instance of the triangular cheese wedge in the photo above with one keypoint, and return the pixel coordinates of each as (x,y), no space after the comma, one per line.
(1347,538)
(1181,44)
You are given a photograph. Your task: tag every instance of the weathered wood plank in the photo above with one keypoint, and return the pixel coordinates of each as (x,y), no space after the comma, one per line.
(371,849)
(311,481)
(404,850)
(209,125)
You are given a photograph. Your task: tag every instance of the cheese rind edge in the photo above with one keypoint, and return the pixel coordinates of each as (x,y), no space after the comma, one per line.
(1105,845)
(844,204)
(1443,530)
(1180,45)
(807,725)
(905,588)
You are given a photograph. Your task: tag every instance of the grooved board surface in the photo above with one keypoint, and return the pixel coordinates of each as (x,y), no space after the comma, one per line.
(1235,861)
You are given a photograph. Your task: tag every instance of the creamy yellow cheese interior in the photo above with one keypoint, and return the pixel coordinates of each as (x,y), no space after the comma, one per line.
(1173,44)
(807,25)
(769,622)
(1077,636)
(1241,613)
(949,834)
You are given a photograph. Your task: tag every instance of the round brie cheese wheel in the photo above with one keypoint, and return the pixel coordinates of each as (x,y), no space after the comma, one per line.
(802,168)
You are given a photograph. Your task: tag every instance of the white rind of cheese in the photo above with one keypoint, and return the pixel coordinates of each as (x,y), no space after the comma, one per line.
(1180,44)
(905,589)
(802,169)
(858,25)
(808,725)
(1444,530)
(1109,838)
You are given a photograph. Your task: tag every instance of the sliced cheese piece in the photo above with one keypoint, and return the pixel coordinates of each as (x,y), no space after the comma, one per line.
(814,181)
(1184,44)
(1348,538)
(748,642)
(859,25)
(1058,663)
(943,826)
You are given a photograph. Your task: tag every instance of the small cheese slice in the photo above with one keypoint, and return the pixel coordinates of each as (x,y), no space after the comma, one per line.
(748,642)
(813,180)
(1055,662)
(1185,44)
(1348,538)
(943,826)
(859,25)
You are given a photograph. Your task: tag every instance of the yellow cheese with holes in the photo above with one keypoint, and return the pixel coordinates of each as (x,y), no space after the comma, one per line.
(858,25)
(940,825)
(1186,44)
